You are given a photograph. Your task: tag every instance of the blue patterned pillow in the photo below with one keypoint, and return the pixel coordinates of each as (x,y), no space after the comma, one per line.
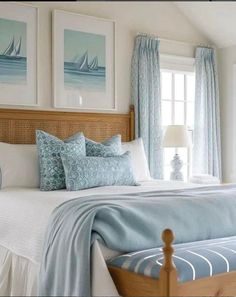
(89,172)
(109,148)
(52,176)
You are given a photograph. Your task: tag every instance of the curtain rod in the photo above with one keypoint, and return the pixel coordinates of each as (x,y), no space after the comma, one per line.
(175,41)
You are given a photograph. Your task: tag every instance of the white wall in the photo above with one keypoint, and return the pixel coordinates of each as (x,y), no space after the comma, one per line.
(227,58)
(160,18)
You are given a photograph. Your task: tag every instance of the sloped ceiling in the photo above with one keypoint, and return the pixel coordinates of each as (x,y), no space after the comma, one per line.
(216,20)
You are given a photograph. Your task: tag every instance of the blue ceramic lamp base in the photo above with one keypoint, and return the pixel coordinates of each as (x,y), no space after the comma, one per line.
(176,165)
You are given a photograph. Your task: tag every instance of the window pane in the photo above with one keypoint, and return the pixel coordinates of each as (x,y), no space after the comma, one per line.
(169,153)
(166,113)
(190,114)
(166,84)
(167,171)
(179,113)
(184,171)
(179,86)
(183,154)
(190,87)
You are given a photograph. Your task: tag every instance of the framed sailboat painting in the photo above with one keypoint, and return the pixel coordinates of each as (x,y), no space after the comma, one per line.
(18,54)
(84,62)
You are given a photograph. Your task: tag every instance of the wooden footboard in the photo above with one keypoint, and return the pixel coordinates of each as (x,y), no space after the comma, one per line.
(132,284)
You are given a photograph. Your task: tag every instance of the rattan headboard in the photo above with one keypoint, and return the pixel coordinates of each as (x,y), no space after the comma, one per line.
(18,125)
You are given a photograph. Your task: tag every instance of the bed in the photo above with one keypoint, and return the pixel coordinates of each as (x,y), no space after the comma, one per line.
(24,214)
(21,246)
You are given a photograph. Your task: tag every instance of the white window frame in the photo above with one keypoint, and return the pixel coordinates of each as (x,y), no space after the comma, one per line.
(179,63)
(186,66)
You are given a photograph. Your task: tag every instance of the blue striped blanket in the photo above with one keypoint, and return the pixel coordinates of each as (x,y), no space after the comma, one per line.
(128,223)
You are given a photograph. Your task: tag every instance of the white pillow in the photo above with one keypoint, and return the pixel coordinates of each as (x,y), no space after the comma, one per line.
(139,160)
(19,165)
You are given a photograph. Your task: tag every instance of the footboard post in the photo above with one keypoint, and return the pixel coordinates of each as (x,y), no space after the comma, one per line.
(168,273)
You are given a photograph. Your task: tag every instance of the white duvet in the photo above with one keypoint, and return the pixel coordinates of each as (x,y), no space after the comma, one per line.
(24,214)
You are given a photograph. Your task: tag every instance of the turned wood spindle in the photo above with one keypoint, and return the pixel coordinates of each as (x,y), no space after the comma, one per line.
(168,272)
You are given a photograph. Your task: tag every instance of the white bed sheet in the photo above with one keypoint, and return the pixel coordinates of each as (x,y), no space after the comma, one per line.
(24,214)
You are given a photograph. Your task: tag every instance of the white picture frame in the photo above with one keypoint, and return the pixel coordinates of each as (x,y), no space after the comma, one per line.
(83,62)
(18,54)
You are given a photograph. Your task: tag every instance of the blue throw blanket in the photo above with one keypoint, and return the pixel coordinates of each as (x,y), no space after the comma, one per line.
(128,223)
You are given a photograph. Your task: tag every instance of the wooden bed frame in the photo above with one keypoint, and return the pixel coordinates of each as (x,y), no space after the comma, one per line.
(132,284)
(19,125)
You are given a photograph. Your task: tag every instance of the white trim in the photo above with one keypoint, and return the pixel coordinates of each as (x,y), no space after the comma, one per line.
(179,63)
(233,166)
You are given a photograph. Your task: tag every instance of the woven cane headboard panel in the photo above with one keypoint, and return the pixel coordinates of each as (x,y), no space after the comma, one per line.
(18,125)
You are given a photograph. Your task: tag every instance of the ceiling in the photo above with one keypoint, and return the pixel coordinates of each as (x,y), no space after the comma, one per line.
(215,20)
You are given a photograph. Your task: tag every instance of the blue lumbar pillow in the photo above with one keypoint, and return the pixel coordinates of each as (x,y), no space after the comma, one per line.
(108,148)
(83,173)
(52,176)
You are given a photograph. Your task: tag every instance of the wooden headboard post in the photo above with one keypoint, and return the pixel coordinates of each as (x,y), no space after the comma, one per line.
(132,122)
(19,125)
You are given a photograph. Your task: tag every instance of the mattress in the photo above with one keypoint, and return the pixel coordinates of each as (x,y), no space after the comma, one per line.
(24,214)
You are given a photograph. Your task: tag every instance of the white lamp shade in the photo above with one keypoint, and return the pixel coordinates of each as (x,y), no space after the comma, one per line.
(177,136)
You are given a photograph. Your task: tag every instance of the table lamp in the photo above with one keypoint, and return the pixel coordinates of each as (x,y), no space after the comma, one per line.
(176,136)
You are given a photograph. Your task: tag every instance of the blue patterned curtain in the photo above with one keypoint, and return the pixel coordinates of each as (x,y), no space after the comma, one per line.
(145,76)
(206,136)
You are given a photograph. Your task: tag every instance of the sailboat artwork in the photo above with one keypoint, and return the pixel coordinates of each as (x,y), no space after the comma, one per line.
(84,63)
(13,51)
(13,60)
(94,64)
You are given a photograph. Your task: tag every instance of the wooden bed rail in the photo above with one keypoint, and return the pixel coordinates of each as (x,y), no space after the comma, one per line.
(168,273)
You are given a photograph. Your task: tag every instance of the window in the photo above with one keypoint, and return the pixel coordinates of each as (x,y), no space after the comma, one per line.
(177,96)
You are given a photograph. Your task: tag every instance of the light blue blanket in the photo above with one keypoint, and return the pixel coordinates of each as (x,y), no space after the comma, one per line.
(128,223)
